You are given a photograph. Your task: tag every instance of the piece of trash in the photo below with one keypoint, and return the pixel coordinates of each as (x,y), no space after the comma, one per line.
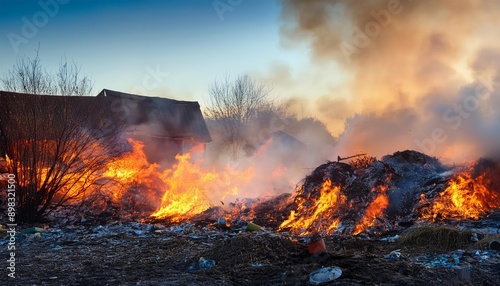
(390,238)
(222,224)
(257,265)
(463,272)
(395,254)
(324,275)
(32,230)
(316,246)
(441,260)
(474,237)
(197,236)
(494,245)
(150,228)
(137,232)
(253,227)
(205,264)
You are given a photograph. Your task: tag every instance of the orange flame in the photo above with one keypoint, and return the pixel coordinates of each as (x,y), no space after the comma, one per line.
(177,193)
(464,198)
(323,207)
(374,210)
(188,189)
(130,169)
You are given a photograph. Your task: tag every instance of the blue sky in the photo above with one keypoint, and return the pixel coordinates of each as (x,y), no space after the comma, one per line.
(119,44)
(406,60)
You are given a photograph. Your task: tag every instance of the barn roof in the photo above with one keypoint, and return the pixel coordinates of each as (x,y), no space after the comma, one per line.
(157,116)
(37,116)
(141,115)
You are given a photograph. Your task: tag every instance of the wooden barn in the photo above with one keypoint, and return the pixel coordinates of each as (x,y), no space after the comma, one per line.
(167,127)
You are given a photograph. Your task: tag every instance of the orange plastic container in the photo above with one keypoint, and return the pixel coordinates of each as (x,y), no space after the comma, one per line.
(316,246)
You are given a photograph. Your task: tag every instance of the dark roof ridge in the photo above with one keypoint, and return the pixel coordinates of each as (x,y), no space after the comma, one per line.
(108,92)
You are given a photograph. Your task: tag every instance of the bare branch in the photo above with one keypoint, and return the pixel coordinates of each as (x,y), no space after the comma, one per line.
(233,105)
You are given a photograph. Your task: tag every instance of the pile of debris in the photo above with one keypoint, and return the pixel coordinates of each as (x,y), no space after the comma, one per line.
(374,196)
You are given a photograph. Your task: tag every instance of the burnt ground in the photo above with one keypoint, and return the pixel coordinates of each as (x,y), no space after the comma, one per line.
(146,254)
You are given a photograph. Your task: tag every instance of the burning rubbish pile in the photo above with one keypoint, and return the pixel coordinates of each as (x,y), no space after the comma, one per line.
(379,196)
(365,195)
(219,245)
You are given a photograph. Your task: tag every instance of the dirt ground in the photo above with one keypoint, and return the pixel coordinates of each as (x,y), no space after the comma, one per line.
(145,254)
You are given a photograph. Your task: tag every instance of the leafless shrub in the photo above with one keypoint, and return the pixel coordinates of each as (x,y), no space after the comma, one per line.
(57,146)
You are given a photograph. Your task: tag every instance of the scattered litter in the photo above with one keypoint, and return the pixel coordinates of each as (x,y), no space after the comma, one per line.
(222,224)
(324,275)
(203,264)
(137,232)
(257,265)
(206,264)
(150,228)
(32,230)
(253,227)
(482,256)
(463,272)
(474,237)
(197,237)
(316,246)
(395,254)
(494,245)
(442,260)
(390,238)
(55,247)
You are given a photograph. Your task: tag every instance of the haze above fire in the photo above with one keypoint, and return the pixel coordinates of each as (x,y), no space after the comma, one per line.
(404,74)
(423,74)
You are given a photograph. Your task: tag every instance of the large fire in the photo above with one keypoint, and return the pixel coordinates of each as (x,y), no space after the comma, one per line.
(352,198)
(177,193)
(465,198)
(350,205)
(190,188)
(323,207)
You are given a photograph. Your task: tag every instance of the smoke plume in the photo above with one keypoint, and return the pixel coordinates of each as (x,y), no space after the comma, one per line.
(422,75)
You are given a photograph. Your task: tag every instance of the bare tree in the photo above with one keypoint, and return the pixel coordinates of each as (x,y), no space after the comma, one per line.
(70,81)
(233,105)
(28,76)
(57,146)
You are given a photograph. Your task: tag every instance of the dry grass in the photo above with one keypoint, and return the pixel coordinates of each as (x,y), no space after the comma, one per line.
(438,239)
